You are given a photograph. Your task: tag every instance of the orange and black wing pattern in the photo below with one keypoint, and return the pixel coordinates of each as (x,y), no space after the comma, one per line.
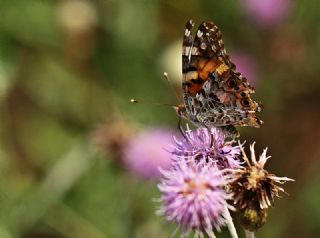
(215,94)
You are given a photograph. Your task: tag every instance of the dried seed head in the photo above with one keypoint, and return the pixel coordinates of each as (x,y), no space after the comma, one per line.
(253,218)
(254,189)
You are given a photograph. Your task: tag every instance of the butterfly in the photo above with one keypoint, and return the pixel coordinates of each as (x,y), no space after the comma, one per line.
(215,94)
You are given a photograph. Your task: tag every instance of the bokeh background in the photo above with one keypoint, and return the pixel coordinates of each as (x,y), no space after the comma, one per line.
(77,159)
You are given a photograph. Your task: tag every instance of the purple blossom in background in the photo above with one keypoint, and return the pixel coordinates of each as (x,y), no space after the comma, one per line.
(209,145)
(267,12)
(146,153)
(246,66)
(194,197)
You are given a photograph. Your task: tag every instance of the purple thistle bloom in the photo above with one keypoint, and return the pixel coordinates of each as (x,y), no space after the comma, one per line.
(145,153)
(267,12)
(209,145)
(194,197)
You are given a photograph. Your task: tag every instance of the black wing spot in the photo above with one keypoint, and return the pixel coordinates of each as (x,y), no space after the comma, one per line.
(245,102)
(191,68)
(243,94)
(197,81)
(232,83)
(188,84)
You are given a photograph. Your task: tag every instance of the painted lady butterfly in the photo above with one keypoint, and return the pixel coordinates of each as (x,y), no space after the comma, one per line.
(214,93)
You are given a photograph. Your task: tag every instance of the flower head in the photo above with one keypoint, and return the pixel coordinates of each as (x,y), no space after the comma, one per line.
(113,136)
(145,153)
(194,197)
(209,145)
(254,189)
(267,12)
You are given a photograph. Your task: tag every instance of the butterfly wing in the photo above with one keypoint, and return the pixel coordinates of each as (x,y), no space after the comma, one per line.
(202,56)
(215,94)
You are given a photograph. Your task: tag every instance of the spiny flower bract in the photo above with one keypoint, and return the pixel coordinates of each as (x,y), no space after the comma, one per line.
(254,189)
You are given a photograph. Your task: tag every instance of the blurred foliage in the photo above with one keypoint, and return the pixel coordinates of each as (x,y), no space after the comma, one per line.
(67,67)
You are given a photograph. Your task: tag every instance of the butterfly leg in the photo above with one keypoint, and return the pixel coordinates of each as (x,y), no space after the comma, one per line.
(181,130)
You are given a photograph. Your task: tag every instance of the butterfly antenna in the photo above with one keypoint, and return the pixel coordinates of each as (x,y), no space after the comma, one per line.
(152,103)
(173,90)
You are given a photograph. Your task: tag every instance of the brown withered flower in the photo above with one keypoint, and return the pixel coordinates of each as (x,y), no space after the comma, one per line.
(254,190)
(112,136)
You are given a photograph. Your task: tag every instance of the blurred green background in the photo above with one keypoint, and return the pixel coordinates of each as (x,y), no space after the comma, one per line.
(67,72)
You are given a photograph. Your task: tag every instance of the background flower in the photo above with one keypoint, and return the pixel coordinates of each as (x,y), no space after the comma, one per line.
(145,153)
(267,12)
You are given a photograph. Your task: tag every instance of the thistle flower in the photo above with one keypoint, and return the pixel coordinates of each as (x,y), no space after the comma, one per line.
(210,145)
(267,12)
(145,153)
(194,197)
(254,189)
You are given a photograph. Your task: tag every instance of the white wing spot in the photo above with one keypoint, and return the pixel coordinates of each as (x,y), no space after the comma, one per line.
(195,51)
(186,50)
(187,32)
(203,46)
(199,33)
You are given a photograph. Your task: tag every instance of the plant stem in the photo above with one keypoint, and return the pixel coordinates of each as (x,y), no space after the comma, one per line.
(249,234)
(230,224)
